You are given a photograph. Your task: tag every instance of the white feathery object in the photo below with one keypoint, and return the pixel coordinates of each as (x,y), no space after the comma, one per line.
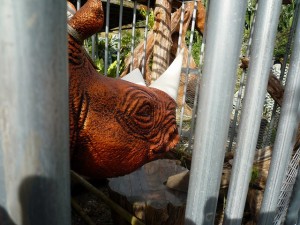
(168,82)
(135,76)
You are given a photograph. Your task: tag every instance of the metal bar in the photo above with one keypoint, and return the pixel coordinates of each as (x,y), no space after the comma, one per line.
(78,5)
(215,105)
(194,115)
(93,47)
(186,80)
(286,134)
(106,37)
(195,109)
(145,39)
(34,124)
(274,120)
(119,38)
(181,27)
(241,88)
(133,35)
(261,52)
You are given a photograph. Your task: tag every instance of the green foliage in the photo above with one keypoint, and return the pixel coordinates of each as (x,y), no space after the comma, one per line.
(285,24)
(250,12)
(144,12)
(254,175)
(196,45)
(113,40)
(286,17)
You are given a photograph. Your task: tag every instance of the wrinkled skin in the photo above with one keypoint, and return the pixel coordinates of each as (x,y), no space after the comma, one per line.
(115,126)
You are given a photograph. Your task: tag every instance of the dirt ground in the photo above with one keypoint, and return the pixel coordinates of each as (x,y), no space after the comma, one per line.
(99,212)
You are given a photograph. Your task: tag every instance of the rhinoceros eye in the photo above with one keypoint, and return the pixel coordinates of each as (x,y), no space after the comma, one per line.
(145,111)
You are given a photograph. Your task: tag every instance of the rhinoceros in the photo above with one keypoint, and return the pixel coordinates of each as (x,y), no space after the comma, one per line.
(116,126)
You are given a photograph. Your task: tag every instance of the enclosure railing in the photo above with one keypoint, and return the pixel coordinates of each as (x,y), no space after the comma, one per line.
(215,105)
(34,161)
(259,69)
(34,124)
(286,133)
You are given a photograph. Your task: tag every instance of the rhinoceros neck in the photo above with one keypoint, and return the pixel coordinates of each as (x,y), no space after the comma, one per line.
(79,99)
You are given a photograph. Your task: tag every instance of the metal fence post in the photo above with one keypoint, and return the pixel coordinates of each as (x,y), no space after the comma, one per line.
(260,63)
(224,36)
(286,135)
(34,127)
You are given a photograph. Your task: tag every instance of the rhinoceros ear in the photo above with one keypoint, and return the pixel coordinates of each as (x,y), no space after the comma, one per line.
(135,76)
(168,82)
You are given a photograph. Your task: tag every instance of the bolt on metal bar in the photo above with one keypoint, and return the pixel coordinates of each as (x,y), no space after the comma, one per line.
(106,53)
(34,124)
(215,105)
(119,37)
(286,134)
(261,52)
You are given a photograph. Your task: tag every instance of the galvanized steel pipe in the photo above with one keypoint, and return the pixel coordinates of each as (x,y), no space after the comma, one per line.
(223,42)
(261,53)
(34,127)
(285,136)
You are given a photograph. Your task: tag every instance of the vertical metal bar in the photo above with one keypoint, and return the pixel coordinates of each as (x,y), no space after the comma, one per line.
(188,66)
(96,43)
(242,88)
(78,5)
(106,37)
(215,105)
(34,127)
(145,38)
(285,137)
(195,109)
(195,104)
(181,26)
(93,46)
(119,37)
(261,59)
(274,120)
(133,35)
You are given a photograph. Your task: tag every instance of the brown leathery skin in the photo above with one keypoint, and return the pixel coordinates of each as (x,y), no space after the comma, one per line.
(89,19)
(115,126)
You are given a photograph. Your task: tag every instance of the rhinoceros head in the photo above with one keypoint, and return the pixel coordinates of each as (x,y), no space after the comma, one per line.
(116,126)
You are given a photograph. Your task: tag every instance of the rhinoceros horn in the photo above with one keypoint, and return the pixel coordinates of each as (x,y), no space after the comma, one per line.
(168,82)
(135,76)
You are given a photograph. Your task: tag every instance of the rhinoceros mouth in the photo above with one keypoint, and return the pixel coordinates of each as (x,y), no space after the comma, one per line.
(166,144)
